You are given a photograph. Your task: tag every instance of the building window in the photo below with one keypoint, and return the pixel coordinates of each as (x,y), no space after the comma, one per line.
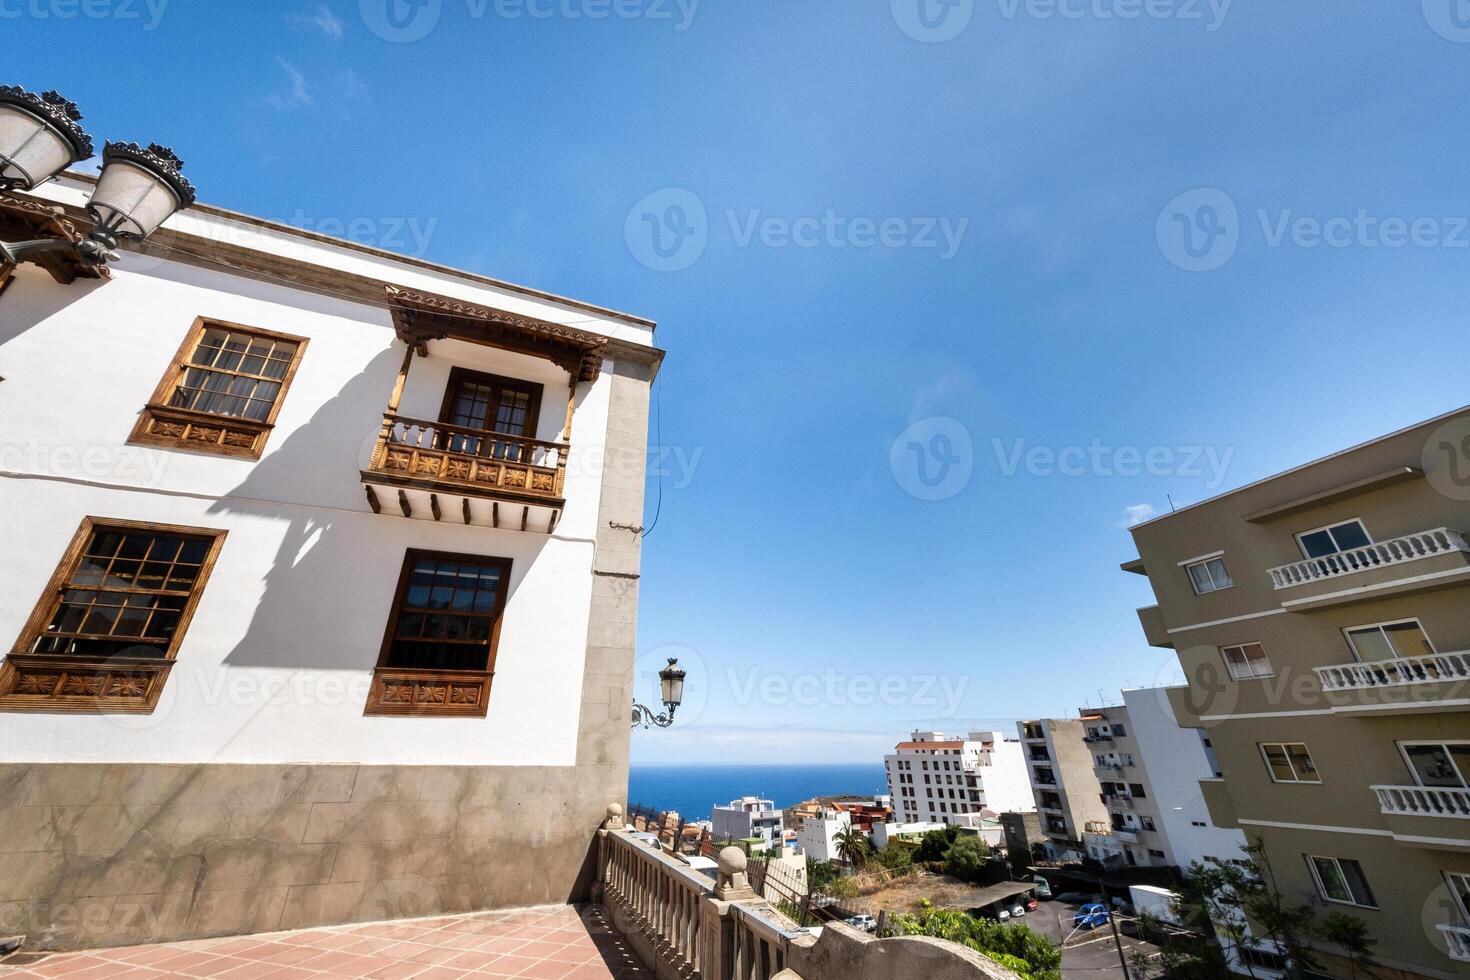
(1289,762)
(223,390)
(1331,540)
(487,403)
(1247,661)
(1388,641)
(1460,889)
(1438,764)
(1341,880)
(1208,576)
(438,654)
(108,626)
(1261,959)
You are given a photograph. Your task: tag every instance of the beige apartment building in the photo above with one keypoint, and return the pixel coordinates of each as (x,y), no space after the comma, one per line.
(1068,797)
(1320,617)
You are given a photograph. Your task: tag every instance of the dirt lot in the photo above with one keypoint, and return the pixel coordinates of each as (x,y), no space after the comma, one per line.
(905,894)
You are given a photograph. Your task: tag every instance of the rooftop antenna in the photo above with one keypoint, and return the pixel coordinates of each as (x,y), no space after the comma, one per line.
(1171,502)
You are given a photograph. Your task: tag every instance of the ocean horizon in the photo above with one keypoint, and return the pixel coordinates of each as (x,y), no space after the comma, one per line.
(694,789)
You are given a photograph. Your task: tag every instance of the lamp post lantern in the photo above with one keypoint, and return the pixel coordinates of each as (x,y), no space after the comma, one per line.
(137,191)
(671,687)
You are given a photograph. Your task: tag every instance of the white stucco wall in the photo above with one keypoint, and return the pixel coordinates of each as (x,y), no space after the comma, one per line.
(1006,783)
(276,664)
(1176,762)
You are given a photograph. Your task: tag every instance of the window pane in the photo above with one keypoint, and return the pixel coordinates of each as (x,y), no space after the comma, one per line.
(1334,885)
(1317,544)
(1432,766)
(1301,761)
(439,625)
(1371,644)
(1408,640)
(1352,873)
(1460,888)
(140,609)
(1200,577)
(220,377)
(1350,535)
(1278,764)
(1221,577)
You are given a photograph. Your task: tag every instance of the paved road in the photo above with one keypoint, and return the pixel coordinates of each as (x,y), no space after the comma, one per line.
(1090,954)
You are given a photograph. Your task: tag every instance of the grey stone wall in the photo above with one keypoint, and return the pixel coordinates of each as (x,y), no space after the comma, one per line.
(100,855)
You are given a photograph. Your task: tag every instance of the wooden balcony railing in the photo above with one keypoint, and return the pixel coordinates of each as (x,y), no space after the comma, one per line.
(476,462)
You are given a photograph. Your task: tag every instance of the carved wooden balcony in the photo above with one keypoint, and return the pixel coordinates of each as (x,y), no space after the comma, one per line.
(447,472)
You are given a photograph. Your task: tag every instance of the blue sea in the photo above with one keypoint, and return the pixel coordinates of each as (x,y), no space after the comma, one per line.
(694,790)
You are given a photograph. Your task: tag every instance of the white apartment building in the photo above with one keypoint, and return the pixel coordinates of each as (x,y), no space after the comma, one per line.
(318,578)
(747,817)
(817,836)
(939,780)
(1174,761)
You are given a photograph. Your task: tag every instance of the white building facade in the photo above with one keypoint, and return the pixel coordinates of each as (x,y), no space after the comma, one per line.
(934,779)
(745,818)
(310,562)
(817,836)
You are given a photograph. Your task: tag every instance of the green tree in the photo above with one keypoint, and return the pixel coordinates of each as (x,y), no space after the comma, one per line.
(819,874)
(966,858)
(852,846)
(1350,933)
(934,844)
(897,856)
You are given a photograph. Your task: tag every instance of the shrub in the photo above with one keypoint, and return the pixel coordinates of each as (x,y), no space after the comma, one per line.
(1011,945)
(966,858)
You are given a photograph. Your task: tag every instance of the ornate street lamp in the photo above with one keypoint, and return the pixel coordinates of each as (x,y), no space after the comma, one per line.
(671,680)
(136,192)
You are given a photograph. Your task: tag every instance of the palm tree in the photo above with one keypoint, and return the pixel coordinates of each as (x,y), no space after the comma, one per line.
(852,846)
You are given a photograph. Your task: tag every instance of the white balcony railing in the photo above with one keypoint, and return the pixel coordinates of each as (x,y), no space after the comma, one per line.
(1458,938)
(1424,801)
(1395,551)
(1396,673)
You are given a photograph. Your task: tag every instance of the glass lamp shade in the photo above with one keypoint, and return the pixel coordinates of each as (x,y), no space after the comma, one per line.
(139,189)
(39,137)
(673,684)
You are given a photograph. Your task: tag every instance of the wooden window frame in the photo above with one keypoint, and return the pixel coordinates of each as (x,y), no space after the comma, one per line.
(160,424)
(414,692)
(532,389)
(118,685)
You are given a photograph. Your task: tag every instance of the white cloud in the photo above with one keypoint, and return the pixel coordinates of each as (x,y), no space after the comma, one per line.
(299,96)
(1135,514)
(321,19)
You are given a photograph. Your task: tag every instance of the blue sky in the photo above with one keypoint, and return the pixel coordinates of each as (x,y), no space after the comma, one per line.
(1004,269)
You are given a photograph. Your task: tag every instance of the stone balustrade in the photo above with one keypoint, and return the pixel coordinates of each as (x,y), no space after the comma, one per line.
(685,926)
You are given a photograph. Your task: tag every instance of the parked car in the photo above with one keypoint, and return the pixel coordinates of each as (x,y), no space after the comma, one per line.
(1043,888)
(1018,909)
(1031,904)
(866,923)
(1091,916)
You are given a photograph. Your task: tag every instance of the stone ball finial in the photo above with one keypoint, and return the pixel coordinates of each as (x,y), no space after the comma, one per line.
(614,819)
(732,862)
